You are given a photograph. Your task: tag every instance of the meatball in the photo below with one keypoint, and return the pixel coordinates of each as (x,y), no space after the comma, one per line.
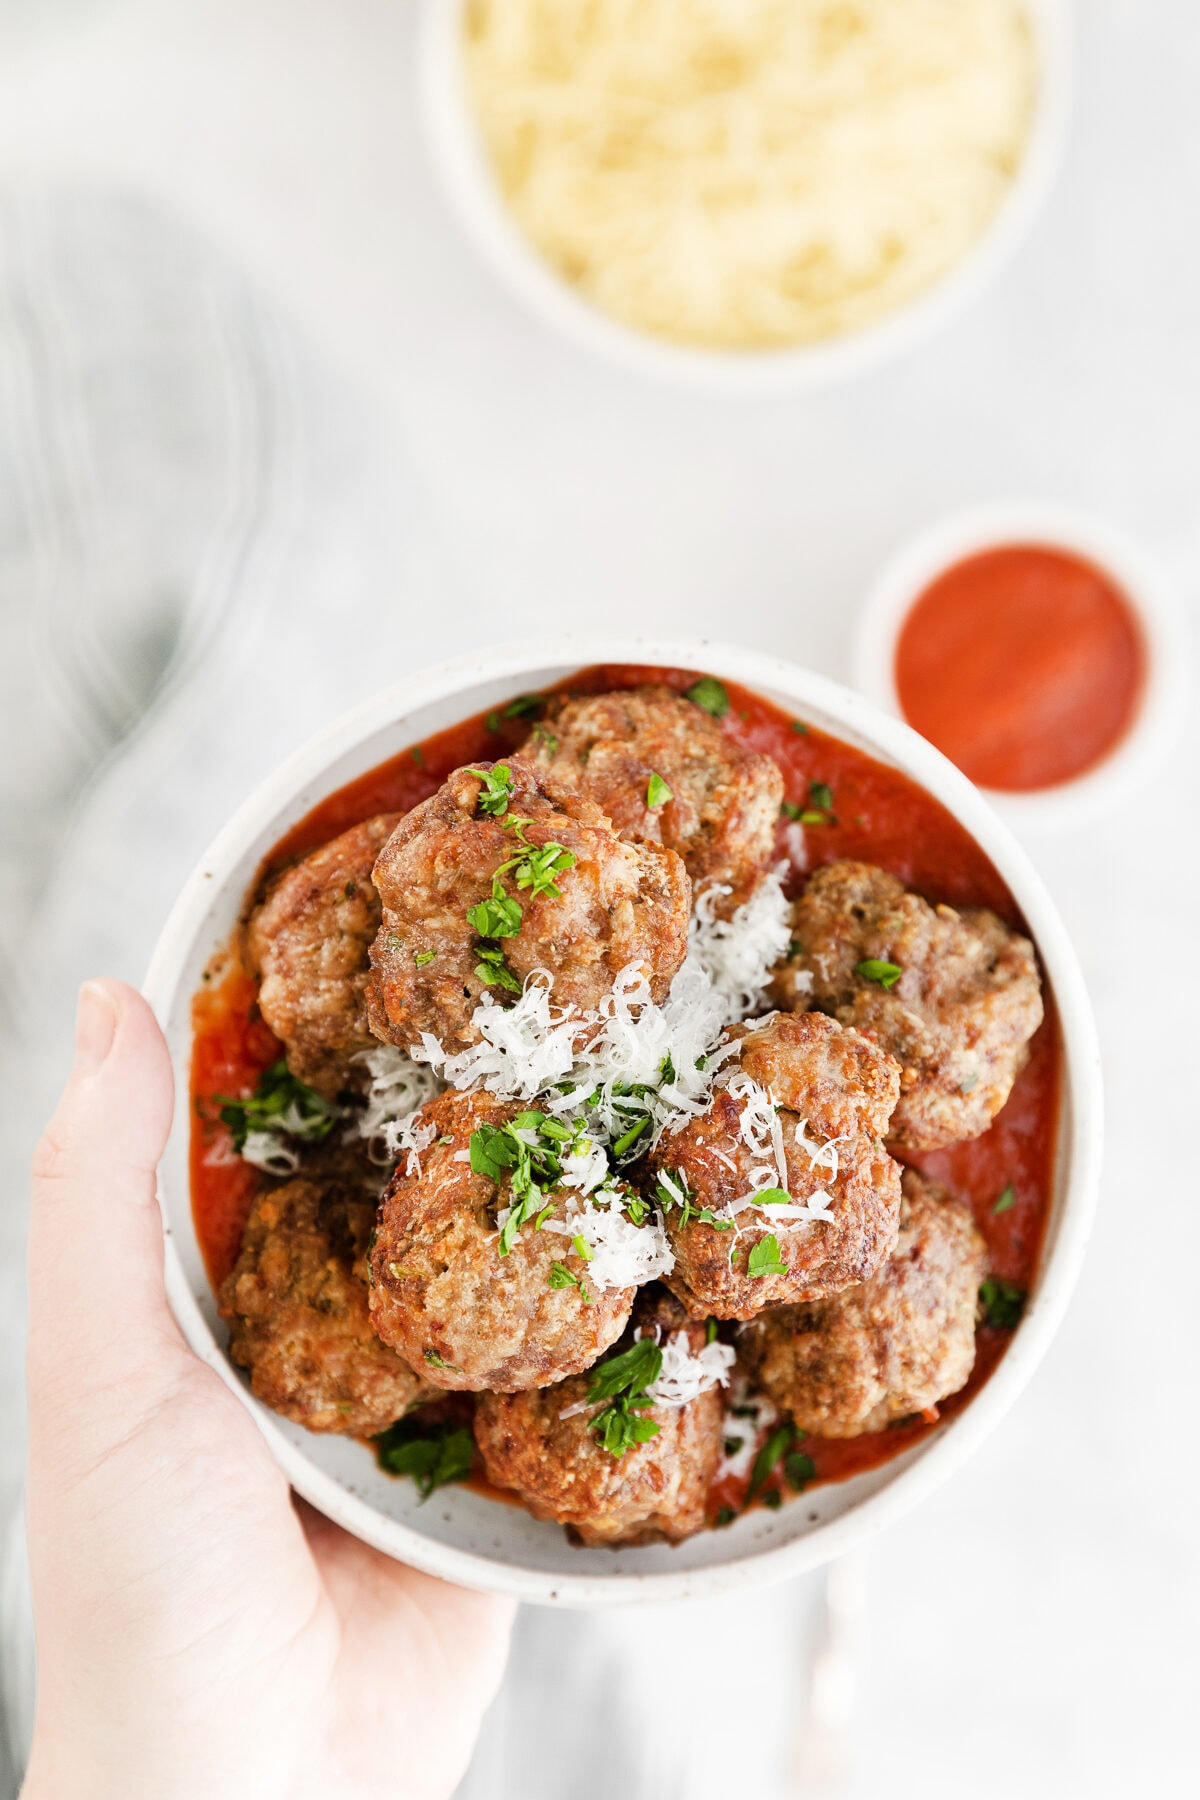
(310,940)
(959,1016)
(829,1094)
(544,1449)
(444,1296)
(296,1305)
(896,1345)
(618,904)
(724,801)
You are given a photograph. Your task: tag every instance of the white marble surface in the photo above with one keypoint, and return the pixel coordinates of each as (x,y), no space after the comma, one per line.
(424,463)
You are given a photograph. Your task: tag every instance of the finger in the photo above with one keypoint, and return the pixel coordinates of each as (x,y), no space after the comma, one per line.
(95,1241)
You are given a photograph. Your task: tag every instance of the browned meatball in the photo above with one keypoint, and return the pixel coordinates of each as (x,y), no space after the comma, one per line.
(310,940)
(724,801)
(652,1491)
(958,1018)
(898,1344)
(620,904)
(825,1083)
(296,1304)
(444,1296)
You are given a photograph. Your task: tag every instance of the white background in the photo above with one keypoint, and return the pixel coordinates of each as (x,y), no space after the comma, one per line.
(428,468)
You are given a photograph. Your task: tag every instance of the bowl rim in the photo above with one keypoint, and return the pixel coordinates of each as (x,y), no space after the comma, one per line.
(1081,1103)
(466,178)
(1013,523)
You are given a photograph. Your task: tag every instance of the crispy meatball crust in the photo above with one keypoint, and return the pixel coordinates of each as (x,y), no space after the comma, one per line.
(842,1086)
(896,1345)
(296,1305)
(959,1019)
(310,941)
(654,1491)
(725,800)
(620,904)
(445,1298)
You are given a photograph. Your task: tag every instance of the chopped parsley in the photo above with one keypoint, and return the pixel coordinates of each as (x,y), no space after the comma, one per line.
(774,1196)
(680,1197)
(709,694)
(883,974)
(493,971)
(561,1277)
(799,1468)
(418,756)
(725,1515)
(1003,1303)
(496,791)
(499,917)
(424,957)
(492,722)
(765,1258)
(278,1104)
(795,948)
(542,734)
(711,1328)
(790,810)
(350,889)
(1005,1202)
(623,1381)
(535,866)
(524,706)
(436,1360)
(529,1151)
(431,1454)
(773,1450)
(820,795)
(657,791)
(798,725)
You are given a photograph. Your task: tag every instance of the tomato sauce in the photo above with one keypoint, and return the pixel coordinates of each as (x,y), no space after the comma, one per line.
(868,811)
(1025,665)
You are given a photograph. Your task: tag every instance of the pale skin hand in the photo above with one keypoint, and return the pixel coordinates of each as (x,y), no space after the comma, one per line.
(199,1633)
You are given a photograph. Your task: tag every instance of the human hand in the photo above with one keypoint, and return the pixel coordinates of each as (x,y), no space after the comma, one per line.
(199,1632)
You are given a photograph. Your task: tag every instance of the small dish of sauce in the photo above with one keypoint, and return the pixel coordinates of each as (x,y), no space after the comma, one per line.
(1033,648)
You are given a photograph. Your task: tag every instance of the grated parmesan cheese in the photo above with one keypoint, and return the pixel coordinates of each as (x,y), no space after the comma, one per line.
(739,953)
(622,1254)
(270,1152)
(739,174)
(398,1086)
(686,1374)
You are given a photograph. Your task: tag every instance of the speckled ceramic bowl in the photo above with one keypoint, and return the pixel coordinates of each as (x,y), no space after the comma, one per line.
(459,1534)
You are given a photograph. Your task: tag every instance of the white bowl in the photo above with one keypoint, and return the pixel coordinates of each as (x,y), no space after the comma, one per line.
(462,162)
(459,1534)
(1016,522)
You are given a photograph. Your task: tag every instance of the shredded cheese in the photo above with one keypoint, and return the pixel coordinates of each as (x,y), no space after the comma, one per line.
(746,173)
(687,1374)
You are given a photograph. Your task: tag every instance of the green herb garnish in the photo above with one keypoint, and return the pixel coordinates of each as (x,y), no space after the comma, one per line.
(773,1196)
(725,1515)
(776,1446)
(542,734)
(657,791)
(529,1151)
(499,917)
(790,810)
(1005,1203)
(797,725)
(799,1468)
(883,974)
(496,791)
(279,1104)
(436,1360)
(765,1259)
(493,971)
(624,1381)
(709,694)
(561,1277)
(667,1199)
(820,795)
(418,756)
(1003,1303)
(432,1455)
(524,706)
(423,958)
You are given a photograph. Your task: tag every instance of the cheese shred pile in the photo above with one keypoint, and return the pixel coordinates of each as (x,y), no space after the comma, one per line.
(744,174)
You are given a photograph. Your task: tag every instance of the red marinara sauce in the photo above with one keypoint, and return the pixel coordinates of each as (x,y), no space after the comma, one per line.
(874,813)
(1025,665)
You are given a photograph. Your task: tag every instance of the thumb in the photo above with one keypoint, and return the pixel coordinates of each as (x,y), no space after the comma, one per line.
(98,1315)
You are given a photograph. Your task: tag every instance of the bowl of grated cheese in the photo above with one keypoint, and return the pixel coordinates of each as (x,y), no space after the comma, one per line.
(457,1532)
(745,195)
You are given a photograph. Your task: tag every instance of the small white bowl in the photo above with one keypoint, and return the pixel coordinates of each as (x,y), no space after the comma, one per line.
(1023,522)
(458,1534)
(462,162)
